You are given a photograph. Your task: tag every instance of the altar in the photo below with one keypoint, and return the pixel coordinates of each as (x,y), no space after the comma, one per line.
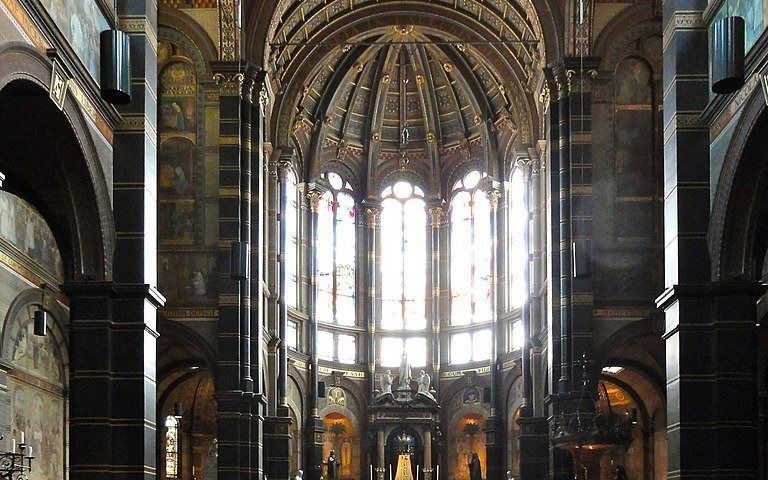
(405,424)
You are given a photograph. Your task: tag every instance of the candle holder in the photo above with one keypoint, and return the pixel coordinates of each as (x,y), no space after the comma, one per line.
(16,465)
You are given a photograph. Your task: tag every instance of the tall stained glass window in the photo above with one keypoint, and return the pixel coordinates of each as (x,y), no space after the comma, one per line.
(403,254)
(470,252)
(517,252)
(171,447)
(291,240)
(335,253)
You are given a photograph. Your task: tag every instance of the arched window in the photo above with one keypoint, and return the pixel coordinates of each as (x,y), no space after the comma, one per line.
(403,258)
(171,447)
(516,249)
(470,252)
(335,253)
(291,240)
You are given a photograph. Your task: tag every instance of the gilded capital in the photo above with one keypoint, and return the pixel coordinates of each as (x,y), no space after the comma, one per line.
(372,215)
(435,216)
(493,197)
(314,200)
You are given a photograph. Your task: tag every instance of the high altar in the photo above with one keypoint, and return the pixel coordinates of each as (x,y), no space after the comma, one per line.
(405,423)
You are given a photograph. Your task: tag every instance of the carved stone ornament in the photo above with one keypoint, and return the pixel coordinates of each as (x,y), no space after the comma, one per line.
(435,216)
(493,196)
(229,83)
(372,215)
(314,200)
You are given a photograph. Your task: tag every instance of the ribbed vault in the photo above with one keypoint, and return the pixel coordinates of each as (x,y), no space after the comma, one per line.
(427,87)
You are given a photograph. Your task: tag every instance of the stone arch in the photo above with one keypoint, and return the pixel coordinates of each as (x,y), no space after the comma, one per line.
(75,200)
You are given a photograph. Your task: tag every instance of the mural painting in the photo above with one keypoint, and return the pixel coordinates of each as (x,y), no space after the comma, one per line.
(25,230)
(340,437)
(467,437)
(36,390)
(80,22)
(186,276)
(178,150)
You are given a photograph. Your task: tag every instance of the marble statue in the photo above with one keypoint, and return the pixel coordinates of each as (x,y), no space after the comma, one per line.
(299,475)
(424,382)
(405,373)
(386,383)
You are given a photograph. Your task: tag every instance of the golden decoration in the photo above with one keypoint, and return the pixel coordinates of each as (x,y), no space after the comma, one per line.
(328,120)
(358,67)
(448,67)
(402,29)
(477,119)
(430,137)
(419,79)
(461,47)
(386,78)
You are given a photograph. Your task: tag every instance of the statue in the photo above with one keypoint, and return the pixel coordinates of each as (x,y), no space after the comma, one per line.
(386,383)
(333,466)
(405,373)
(509,475)
(405,135)
(424,381)
(299,475)
(620,473)
(475,472)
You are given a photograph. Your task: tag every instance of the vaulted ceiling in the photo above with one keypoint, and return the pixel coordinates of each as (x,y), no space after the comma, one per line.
(408,85)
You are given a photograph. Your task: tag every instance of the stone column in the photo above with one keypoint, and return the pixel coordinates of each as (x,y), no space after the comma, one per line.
(113,327)
(381,444)
(494,429)
(314,426)
(435,221)
(427,469)
(372,228)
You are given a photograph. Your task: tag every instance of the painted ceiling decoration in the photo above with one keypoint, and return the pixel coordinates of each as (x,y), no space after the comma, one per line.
(428,90)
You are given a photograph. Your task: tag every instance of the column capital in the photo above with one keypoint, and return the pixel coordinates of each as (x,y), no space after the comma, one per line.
(314,199)
(436,213)
(372,213)
(494,196)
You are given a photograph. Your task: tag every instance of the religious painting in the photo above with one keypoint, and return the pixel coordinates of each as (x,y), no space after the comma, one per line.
(471,396)
(178,91)
(37,402)
(25,230)
(177,168)
(340,437)
(176,222)
(467,437)
(81,22)
(187,276)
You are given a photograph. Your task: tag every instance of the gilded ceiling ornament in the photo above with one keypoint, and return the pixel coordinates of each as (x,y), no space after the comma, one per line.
(375,137)
(403,161)
(477,119)
(461,47)
(402,29)
(359,67)
(328,120)
(419,79)
(430,137)
(386,78)
(342,150)
(448,67)
(465,151)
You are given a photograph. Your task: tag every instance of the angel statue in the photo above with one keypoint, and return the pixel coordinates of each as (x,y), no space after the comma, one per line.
(386,383)
(424,381)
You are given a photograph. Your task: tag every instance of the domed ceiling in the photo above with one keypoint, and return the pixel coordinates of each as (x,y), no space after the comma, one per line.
(426,97)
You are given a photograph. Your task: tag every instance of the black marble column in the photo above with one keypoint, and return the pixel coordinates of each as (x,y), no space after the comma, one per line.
(372,228)
(436,214)
(113,327)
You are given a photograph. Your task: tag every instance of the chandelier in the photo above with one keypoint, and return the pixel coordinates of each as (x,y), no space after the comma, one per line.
(588,428)
(16,465)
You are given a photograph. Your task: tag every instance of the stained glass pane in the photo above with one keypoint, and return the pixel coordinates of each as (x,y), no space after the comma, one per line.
(391,315)
(518,335)
(291,335)
(171,446)
(414,247)
(516,249)
(461,352)
(461,259)
(402,190)
(391,351)
(345,260)
(325,345)
(347,352)
(290,247)
(471,179)
(482,257)
(324,258)
(335,181)
(482,343)
(416,349)
(391,251)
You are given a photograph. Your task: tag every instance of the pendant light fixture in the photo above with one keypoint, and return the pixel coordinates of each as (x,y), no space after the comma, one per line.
(727,65)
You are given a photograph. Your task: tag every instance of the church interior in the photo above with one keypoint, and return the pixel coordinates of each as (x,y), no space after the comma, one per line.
(383,239)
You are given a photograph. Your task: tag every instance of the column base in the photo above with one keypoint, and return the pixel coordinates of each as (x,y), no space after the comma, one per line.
(277,446)
(534,447)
